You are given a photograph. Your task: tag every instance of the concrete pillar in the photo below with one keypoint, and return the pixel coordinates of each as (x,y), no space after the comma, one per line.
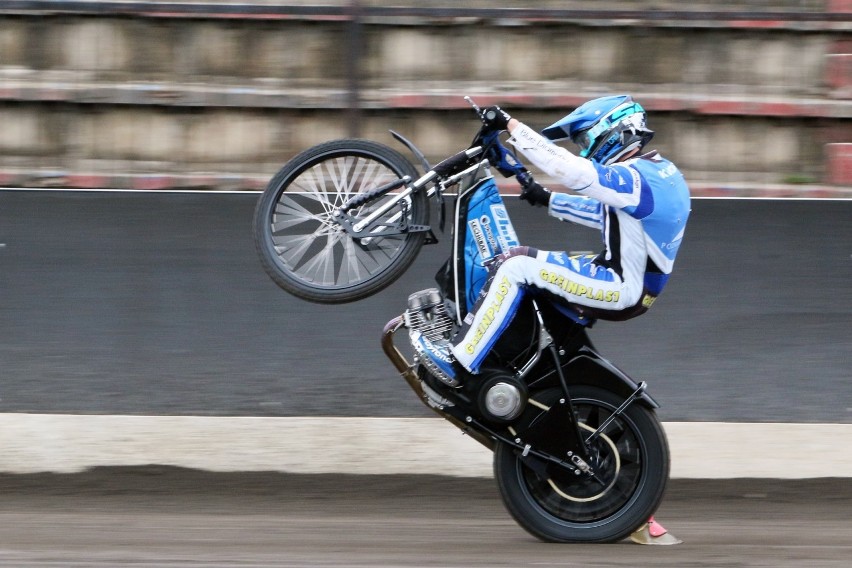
(838,74)
(839,158)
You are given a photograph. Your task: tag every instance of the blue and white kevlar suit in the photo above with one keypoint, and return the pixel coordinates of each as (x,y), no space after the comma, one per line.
(641,207)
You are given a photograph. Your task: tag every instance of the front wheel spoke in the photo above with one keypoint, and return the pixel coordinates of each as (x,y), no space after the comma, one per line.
(338,174)
(369,178)
(324,225)
(283,222)
(350,269)
(359,263)
(322,267)
(314,182)
(387,246)
(289,206)
(343,175)
(292,248)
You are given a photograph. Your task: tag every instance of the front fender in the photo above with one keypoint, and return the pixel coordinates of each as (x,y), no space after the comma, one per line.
(413,149)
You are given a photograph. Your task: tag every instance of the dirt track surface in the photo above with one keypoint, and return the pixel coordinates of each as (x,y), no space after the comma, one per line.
(166,517)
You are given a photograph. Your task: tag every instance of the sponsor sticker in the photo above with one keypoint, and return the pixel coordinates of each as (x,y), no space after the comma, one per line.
(505,231)
(577,289)
(479,239)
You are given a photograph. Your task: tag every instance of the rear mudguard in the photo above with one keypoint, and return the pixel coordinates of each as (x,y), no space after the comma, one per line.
(588,367)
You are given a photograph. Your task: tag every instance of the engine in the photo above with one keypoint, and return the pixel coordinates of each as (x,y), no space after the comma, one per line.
(500,397)
(426,313)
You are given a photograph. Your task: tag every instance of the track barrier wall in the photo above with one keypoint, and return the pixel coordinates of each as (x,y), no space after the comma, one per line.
(138,327)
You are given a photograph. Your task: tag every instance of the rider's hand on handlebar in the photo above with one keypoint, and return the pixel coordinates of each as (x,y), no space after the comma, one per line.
(535,193)
(495,119)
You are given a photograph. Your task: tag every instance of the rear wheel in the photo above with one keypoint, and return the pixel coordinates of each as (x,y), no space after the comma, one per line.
(631,462)
(307,252)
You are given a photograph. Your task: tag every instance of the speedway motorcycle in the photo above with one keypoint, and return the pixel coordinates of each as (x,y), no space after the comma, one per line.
(579,453)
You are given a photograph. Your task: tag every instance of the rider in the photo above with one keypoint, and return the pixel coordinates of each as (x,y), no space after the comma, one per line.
(640,203)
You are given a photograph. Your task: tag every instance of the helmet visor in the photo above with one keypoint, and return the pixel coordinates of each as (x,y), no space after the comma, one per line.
(584,140)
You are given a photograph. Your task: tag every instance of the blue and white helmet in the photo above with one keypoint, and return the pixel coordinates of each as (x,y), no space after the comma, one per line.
(605,129)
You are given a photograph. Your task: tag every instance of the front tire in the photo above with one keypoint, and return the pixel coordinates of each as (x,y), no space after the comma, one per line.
(631,458)
(307,252)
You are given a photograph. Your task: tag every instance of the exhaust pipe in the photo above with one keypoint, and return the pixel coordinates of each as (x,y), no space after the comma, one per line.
(408,373)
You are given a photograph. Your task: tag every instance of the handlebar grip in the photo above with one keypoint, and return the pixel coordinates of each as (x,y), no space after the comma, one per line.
(453,164)
(363,198)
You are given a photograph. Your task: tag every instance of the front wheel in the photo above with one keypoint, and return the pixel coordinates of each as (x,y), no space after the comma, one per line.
(630,458)
(307,252)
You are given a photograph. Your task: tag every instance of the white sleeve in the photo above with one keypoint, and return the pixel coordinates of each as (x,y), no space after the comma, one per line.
(577,209)
(617,185)
(569,170)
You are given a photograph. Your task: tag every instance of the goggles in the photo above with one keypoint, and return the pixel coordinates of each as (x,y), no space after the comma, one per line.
(585,141)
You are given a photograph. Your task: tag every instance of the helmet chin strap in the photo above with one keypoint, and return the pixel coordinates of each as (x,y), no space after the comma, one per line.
(627,152)
(633,138)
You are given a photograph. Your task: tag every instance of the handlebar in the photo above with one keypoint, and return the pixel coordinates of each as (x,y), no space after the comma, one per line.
(486,144)
(474,105)
(482,114)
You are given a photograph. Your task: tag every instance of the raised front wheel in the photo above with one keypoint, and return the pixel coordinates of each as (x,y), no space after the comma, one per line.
(307,252)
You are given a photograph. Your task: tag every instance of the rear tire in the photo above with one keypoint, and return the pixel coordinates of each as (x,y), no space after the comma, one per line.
(631,457)
(306,252)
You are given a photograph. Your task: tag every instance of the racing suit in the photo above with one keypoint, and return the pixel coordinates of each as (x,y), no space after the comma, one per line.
(640,205)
